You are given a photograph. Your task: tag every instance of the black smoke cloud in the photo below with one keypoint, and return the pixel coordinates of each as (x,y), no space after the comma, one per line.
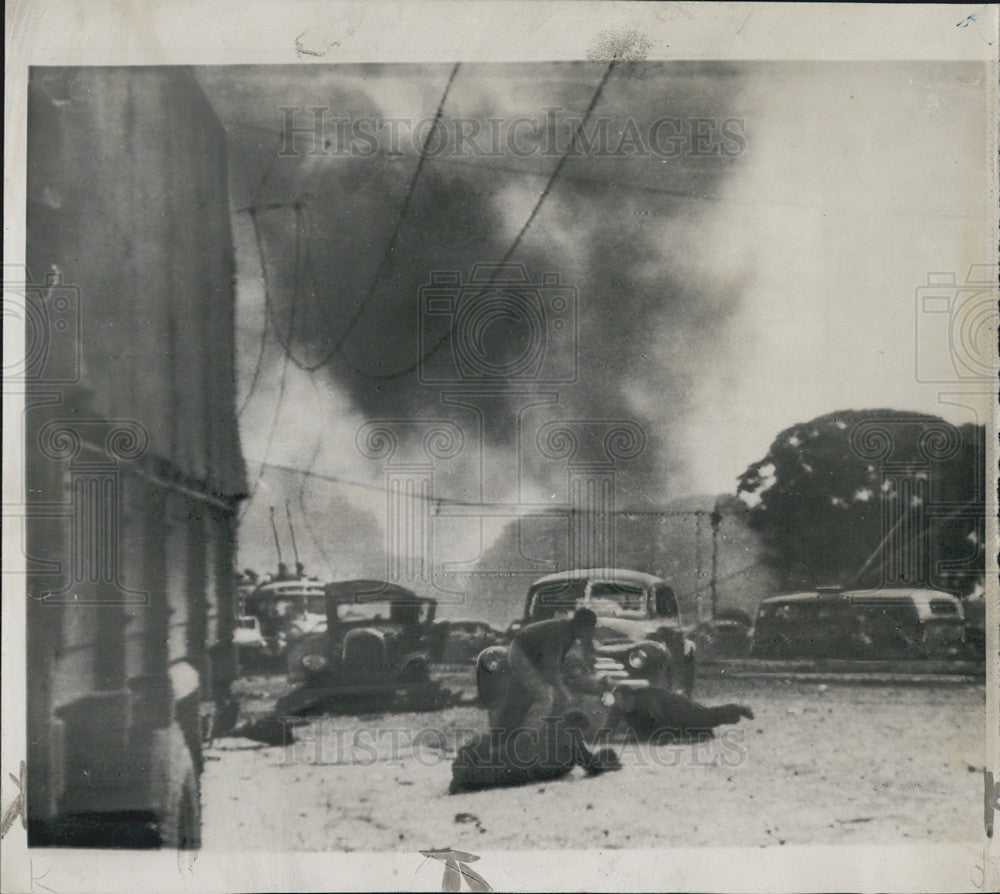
(646,323)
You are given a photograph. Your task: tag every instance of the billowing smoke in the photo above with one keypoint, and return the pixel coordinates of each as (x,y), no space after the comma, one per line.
(621,227)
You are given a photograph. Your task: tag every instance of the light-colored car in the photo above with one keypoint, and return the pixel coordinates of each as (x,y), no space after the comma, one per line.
(247,634)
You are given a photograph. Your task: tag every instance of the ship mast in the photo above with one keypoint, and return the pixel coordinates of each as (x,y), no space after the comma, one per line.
(277,543)
(298,565)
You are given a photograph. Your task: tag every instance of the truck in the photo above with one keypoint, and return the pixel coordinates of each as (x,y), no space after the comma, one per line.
(133,472)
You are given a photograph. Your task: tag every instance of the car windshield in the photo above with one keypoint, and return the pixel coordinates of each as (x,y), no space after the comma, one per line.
(364,611)
(943,607)
(555,596)
(617,599)
(397,612)
(247,623)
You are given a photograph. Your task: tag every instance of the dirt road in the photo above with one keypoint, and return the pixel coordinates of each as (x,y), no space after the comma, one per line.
(835,764)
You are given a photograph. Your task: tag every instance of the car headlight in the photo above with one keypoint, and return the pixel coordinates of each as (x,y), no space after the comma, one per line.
(638,659)
(313,662)
(491,663)
(608,699)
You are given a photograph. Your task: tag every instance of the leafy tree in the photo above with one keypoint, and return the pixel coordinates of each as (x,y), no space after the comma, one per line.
(870,497)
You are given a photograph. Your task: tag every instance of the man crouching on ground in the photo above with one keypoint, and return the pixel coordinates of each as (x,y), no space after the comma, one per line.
(535,659)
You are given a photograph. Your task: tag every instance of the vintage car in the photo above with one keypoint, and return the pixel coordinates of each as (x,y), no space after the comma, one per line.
(860,624)
(639,640)
(253,651)
(375,653)
(727,635)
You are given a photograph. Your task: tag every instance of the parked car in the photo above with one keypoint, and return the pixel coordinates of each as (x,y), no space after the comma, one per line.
(890,623)
(253,651)
(467,638)
(247,635)
(375,653)
(725,636)
(639,640)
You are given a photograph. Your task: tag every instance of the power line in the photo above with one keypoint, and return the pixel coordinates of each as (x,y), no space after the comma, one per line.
(264,328)
(287,357)
(391,245)
(490,163)
(553,176)
(472,504)
(387,255)
(302,501)
(394,238)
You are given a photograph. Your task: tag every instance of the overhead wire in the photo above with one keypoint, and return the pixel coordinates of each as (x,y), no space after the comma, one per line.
(285,362)
(302,221)
(263,345)
(387,254)
(391,245)
(494,277)
(472,504)
(305,513)
(254,200)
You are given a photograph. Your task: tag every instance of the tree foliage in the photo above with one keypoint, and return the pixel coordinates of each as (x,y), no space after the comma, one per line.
(870,498)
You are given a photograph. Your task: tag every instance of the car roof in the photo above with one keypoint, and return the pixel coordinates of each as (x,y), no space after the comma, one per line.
(617,575)
(368,590)
(296,587)
(915,594)
(807,596)
(919,595)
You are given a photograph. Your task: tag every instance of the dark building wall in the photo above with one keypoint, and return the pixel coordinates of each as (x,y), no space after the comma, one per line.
(130,606)
(127,193)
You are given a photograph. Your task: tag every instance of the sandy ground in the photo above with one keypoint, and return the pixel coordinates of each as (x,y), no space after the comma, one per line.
(834,764)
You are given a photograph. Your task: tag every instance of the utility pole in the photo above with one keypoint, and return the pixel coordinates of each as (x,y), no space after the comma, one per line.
(697,560)
(716,519)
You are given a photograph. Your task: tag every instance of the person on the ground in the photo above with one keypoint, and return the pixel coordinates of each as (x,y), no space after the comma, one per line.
(654,711)
(490,760)
(534,659)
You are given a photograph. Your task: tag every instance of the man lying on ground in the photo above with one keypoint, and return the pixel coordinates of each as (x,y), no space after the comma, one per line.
(654,711)
(500,757)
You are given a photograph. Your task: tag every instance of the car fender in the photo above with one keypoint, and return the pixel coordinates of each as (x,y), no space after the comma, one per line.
(412,659)
(492,674)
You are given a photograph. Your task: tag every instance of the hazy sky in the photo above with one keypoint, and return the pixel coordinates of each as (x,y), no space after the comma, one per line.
(720,299)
